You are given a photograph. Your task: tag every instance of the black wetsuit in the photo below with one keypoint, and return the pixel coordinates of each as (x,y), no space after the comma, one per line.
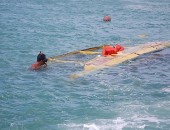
(41,57)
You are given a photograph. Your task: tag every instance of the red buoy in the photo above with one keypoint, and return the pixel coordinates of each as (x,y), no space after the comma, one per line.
(107,18)
(109,50)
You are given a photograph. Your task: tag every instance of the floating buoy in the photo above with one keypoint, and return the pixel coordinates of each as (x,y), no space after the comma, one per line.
(107,18)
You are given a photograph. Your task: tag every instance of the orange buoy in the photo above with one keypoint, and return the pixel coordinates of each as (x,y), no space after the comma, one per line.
(119,47)
(109,50)
(107,18)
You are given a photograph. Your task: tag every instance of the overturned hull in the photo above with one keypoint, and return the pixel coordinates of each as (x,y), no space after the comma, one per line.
(101,62)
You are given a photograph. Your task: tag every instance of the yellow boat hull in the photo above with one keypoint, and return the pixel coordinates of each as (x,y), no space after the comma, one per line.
(101,62)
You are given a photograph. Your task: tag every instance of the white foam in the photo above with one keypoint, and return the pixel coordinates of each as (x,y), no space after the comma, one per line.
(105,124)
(166,90)
(91,126)
(132,122)
(146,118)
(99,124)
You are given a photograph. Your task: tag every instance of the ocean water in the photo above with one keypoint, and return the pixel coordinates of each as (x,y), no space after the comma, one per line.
(134,95)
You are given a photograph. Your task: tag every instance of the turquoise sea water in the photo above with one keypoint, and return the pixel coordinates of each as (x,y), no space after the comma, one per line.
(134,95)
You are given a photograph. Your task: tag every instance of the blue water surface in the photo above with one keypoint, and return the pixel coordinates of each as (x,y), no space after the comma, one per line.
(134,95)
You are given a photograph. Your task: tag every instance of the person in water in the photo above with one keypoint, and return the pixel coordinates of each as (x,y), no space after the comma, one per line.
(41,62)
(42,58)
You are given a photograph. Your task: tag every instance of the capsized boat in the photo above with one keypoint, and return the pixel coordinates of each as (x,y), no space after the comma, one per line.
(101,62)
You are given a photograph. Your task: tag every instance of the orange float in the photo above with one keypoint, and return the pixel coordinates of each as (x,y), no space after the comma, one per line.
(111,50)
(107,18)
(119,47)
